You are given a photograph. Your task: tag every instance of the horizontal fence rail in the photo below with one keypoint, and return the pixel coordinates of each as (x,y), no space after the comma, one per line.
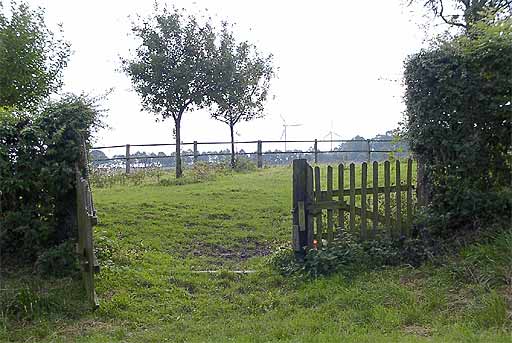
(369,149)
(366,211)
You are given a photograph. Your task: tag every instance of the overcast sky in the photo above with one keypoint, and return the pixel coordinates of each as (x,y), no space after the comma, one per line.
(335,60)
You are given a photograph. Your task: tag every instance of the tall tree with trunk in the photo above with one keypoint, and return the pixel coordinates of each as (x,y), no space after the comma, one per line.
(242,81)
(173,68)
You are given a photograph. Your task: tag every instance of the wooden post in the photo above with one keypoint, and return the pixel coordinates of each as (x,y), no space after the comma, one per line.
(352,200)
(364,181)
(387,197)
(260,155)
(196,153)
(316,151)
(398,199)
(409,196)
(318,197)
(330,224)
(375,206)
(299,232)
(341,197)
(369,150)
(127,158)
(309,200)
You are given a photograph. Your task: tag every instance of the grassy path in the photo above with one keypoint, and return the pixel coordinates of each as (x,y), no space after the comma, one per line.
(152,237)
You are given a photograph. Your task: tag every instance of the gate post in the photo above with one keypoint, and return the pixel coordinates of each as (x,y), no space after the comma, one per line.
(299,196)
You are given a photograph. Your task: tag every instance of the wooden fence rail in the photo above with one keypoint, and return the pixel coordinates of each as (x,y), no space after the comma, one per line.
(259,153)
(310,201)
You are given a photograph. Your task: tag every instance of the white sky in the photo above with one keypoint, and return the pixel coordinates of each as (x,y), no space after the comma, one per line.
(330,56)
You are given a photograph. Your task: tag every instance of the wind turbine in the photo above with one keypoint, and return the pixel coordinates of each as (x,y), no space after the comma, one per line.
(331,133)
(285,126)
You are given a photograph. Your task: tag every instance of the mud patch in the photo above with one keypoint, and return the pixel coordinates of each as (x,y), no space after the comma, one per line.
(247,248)
(217,216)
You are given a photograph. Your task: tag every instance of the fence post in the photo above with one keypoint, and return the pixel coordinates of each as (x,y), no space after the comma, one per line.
(316,151)
(299,229)
(260,154)
(196,154)
(127,158)
(369,151)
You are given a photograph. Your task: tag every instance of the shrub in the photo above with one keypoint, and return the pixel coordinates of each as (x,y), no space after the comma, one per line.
(458,121)
(348,254)
(38,156)
(57,261)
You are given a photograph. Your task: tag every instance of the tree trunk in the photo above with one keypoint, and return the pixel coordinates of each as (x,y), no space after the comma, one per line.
(177,123)
(232,128)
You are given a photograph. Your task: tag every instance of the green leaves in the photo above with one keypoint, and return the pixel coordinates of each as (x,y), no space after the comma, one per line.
(172,69)
(38,152)
(459,125)
(242,80)
(31,58)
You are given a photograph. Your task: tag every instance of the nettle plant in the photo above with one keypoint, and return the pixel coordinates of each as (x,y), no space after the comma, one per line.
(459,123)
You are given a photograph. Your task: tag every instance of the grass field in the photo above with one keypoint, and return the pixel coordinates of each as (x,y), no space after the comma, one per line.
(152,240)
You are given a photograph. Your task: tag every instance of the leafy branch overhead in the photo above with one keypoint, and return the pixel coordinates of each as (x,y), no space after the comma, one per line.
(464,13)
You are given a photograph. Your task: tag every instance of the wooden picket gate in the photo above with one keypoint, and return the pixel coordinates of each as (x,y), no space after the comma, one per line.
(310,201)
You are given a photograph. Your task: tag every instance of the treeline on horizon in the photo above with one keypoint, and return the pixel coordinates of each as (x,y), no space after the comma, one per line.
(355,150)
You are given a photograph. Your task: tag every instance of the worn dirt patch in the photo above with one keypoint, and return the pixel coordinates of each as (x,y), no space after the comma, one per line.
(249,248)
(417,330)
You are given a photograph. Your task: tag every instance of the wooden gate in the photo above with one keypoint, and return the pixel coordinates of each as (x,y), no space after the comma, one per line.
(389,212)
(86,219)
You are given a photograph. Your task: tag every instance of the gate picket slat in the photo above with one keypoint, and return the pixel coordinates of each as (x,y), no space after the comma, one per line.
(341,198)
(364,180)
(310,197)
(352,197)
(409,196)
(318,197)
(375,206)
(368,194)
(398,200)
(330,224)
(387,197)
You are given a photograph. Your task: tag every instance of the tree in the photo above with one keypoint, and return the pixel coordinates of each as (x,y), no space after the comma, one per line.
(242,82)
(173,67)
(31,58)
(468,12)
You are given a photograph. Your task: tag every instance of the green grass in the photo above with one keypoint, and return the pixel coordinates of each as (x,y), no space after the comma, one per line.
(152,238)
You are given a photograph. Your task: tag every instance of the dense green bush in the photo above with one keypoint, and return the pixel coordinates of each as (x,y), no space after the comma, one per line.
(38,155)
(459,123)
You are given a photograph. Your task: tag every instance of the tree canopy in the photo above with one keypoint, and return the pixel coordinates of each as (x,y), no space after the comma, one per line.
(173,67)
(242,81)
(32,58)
